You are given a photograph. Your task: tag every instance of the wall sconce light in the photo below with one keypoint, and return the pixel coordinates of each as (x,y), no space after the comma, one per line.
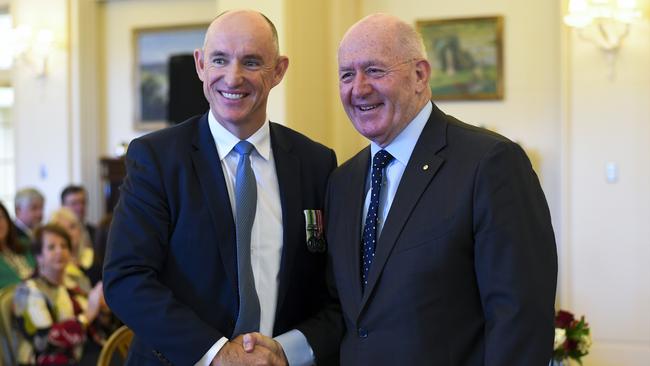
(604,23)
(29,47)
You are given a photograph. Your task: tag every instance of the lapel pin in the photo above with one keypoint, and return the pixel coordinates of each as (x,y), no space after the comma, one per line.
(425,167)
(314,230)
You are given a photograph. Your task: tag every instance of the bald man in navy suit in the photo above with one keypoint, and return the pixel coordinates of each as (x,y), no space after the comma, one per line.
(172,266)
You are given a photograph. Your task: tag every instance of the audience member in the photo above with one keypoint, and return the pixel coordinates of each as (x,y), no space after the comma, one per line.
(54,319)
(28,205)
(75,198)
(16,262)
(75,273)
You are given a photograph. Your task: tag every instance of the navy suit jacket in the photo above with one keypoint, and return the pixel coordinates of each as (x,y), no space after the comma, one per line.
(170,269)
(465,267)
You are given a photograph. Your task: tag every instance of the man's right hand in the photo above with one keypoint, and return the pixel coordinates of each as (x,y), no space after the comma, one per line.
(232,353)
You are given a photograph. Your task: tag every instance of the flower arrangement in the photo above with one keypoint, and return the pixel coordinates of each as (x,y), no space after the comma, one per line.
(572,337)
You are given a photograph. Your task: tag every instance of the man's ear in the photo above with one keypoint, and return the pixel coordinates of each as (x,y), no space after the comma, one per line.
(198,63)
(422,74)
(280,69)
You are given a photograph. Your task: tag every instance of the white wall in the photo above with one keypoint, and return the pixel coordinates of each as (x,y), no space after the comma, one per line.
(530,110)
(119,19)
(42,110)
(607,275)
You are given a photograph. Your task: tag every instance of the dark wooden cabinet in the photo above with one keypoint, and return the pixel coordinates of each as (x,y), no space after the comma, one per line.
(113,172)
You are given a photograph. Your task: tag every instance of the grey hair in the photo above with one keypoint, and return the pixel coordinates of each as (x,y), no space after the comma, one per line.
(26,196)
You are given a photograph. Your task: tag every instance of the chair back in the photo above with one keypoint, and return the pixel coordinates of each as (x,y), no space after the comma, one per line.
(119,343)
(9,338)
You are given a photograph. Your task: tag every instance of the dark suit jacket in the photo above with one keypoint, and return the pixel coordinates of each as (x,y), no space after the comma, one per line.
(170,268)
(465,267)
(22,235)
(94,273)
(92,231)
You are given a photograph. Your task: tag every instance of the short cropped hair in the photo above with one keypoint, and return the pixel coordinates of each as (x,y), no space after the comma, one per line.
(71,189)
(274,30)
(26,196)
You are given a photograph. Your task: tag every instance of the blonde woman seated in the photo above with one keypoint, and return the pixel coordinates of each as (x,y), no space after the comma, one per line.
(53,318)
(82,256)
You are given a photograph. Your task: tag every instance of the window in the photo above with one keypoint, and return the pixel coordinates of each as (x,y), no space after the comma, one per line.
(6,48)
(7,160)
(7,170)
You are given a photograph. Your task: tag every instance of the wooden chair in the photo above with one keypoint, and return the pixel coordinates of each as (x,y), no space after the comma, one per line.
(119,341)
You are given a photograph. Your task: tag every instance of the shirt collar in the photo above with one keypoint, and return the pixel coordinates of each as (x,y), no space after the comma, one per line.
(402,146)
(22,226)
(226,141)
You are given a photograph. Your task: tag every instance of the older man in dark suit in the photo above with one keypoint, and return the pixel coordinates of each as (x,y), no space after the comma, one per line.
(208,241)
(28,204)
(441,244)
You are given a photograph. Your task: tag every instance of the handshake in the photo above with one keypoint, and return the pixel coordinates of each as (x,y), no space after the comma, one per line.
(251,349)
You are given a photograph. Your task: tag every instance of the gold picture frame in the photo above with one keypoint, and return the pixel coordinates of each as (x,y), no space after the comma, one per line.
(152,49)
(466,57)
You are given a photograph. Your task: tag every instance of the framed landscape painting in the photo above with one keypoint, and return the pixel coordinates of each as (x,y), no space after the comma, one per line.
(153,48)
(466,56)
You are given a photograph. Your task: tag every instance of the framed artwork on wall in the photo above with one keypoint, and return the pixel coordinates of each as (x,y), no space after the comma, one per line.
(153,47)
(466,56)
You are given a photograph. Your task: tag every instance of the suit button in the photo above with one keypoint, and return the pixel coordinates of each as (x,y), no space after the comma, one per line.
(362,332)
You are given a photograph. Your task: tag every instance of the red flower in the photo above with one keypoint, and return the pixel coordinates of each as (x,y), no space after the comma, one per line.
(571,345)
(563,319)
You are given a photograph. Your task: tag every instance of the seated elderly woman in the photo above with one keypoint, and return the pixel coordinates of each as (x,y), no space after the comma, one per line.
(16,262)
(53,318)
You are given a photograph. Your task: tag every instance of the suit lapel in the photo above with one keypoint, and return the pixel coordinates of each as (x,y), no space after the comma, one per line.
(287,167)
(213,185)
(420,170)
(354,199)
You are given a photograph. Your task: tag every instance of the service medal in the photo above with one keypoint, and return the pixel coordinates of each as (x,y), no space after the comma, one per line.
(314,230)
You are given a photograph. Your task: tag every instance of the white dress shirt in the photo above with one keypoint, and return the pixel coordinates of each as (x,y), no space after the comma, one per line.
(401,149)
(266,233)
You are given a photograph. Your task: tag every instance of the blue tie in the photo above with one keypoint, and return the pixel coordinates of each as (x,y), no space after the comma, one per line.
(248,319)
(368,242)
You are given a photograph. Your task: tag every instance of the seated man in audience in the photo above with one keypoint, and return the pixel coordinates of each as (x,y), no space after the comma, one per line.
(28,205)
(75,198)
